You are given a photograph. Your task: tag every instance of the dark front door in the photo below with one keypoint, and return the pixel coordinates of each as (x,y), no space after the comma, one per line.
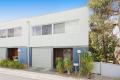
(63,53)
(12,53)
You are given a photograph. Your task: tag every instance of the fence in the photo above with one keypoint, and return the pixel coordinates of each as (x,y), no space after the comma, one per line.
(107,69)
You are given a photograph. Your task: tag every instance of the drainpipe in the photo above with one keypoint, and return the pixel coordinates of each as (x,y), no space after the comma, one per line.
(28,23)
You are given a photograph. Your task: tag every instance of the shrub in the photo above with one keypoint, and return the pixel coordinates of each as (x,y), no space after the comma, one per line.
(11,64)
(86,64)
(68,65)
(4,63)
(59,65)
(18,65)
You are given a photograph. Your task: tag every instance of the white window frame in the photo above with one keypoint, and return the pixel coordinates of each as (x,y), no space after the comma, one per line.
(58,23)
(35,34)
(12,33)
(3,33)
(20,33)
(47,25)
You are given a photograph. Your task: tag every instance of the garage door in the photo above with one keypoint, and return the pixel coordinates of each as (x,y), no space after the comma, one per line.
(42,57)
(3,53)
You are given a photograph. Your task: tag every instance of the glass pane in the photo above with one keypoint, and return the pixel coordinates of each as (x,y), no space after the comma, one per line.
(18,31)
(11,32)
(36,30)
(46,29)
(3,33)
(59,28)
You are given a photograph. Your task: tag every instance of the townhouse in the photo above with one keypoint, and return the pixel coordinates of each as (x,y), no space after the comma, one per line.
(38,41)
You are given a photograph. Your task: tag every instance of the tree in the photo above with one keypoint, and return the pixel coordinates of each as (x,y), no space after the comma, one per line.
(101,39)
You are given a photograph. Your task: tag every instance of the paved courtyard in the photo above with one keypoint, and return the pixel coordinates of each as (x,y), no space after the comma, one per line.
(11,74)
(11,77)
(17,77)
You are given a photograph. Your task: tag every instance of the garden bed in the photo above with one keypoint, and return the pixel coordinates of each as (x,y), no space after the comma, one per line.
(12,64)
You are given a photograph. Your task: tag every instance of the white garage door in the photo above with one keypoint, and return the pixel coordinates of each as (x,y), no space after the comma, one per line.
(3,53)
(42,57)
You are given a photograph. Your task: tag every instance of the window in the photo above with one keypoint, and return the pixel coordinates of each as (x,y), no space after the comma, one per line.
(18,31)
(59,28)
(11,32)
(3,33)
(46,29)
(36,30)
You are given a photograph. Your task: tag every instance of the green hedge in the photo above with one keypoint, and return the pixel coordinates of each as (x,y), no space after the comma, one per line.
(11,64)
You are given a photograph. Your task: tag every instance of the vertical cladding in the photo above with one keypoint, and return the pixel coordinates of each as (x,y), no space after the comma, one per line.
(23,55)
(76,55)
(30,56)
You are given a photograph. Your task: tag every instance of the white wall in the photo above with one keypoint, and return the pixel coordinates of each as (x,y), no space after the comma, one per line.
(76,29)
(15,41)
(107,69)
(42,57)
(68,15)
(97,68)
(111,70)
(3,53)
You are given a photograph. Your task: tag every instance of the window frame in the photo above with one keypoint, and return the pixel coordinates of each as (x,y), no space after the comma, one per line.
(15,31)
(11,34)
(34,30)
(49,32)
(55,26)
(3,31)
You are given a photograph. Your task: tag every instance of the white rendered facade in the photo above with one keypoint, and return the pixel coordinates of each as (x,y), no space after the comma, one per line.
(76,30)
(42,34)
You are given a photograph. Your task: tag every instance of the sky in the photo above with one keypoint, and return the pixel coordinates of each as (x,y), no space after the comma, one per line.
(17,9)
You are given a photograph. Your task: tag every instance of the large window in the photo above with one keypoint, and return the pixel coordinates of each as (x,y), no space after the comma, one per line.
(3,33)
(11,32)
(59,28)
(36,30)
(47,29)
(18,31)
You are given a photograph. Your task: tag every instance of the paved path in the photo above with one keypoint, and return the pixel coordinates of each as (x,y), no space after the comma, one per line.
(11,74)
(11,77)
(44,77)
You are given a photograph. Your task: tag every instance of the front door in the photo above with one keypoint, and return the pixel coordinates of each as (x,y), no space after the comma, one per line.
(12,53)
(63,53)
